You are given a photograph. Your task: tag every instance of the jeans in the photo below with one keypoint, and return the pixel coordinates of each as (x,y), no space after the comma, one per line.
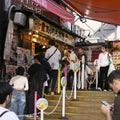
(18,102)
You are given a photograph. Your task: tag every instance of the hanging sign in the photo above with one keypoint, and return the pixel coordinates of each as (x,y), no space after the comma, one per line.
(42,104)
(63,81)
(75,67)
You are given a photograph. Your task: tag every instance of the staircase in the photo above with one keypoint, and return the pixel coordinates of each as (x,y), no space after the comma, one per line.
(86,107)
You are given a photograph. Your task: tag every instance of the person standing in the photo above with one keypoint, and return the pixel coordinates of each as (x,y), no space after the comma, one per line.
(103,66)
(47,68)
(37,76)
(72,58)
(53,56)
(80,55)
(5,92)
(18,98)
(82,73)
(114,83)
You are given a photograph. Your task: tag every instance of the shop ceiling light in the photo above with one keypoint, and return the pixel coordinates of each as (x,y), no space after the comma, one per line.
(30,33)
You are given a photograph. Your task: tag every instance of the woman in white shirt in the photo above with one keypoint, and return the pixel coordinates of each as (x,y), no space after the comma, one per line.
(20,85)
(103,66)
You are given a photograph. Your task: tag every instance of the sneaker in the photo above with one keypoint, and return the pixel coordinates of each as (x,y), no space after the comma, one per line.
(99,89)
(29,116)
(105,90)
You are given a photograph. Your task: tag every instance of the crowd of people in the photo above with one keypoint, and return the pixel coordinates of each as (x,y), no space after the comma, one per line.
(43,75)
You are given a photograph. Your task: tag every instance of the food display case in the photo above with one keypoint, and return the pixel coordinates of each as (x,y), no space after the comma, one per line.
(115,51)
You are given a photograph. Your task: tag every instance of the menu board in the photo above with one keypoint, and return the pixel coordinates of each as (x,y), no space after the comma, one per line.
(52,31)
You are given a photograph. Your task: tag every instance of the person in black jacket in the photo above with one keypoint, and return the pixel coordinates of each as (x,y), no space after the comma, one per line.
(37,76)
(48,69)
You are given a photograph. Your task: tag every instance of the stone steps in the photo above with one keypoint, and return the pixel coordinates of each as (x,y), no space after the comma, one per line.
(86,107)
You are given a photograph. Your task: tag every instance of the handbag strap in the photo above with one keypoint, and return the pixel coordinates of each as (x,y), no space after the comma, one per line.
(51,54)
(3,113)
(109,57)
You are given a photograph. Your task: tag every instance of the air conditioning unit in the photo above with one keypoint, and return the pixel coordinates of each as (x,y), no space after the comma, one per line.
(20,18)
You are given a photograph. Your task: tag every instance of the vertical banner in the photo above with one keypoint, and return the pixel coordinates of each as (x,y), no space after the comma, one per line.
(8,41)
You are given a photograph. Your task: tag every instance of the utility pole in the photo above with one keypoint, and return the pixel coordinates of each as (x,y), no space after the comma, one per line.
(3,29)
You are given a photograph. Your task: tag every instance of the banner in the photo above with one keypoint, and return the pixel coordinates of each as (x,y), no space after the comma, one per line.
(56,9)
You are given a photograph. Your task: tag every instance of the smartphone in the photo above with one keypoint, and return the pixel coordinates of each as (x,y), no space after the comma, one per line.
(106,103)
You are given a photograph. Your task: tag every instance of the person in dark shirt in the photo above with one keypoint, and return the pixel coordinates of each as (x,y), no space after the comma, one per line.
(114,83)
(37,76)
(81,54)
(48,69)
(82,60)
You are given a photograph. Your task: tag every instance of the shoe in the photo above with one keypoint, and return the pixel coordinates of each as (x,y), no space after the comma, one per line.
(29,116)
(105,90)
(99,89)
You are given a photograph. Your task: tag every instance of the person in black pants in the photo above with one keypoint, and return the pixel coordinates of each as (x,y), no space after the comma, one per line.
(103,66)
(37,76)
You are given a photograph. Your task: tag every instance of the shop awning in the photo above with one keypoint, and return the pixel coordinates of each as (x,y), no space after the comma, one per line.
(107,11)
(56,9)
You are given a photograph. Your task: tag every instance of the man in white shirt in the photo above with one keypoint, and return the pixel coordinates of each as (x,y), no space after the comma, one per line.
(103,66)
(53,55)
(5,91)
(20,85)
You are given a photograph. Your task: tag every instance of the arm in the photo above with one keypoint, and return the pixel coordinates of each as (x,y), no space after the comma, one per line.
(47,54)
(110,58)
(98,61)
(106,112)
(60,56)
(26,85)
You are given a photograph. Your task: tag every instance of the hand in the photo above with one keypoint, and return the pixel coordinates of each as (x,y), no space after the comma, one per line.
(105,109)
(52,65)
(112,107)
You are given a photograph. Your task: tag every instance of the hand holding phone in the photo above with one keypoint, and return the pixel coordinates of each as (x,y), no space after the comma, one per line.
(106,103)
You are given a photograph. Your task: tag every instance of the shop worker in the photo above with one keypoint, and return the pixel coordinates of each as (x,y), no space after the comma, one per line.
(5,92)
(37,76)
(53,56)
(18,99)
(114,83)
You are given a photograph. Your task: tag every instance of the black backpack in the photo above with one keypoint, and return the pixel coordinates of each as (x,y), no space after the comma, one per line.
(46,66)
